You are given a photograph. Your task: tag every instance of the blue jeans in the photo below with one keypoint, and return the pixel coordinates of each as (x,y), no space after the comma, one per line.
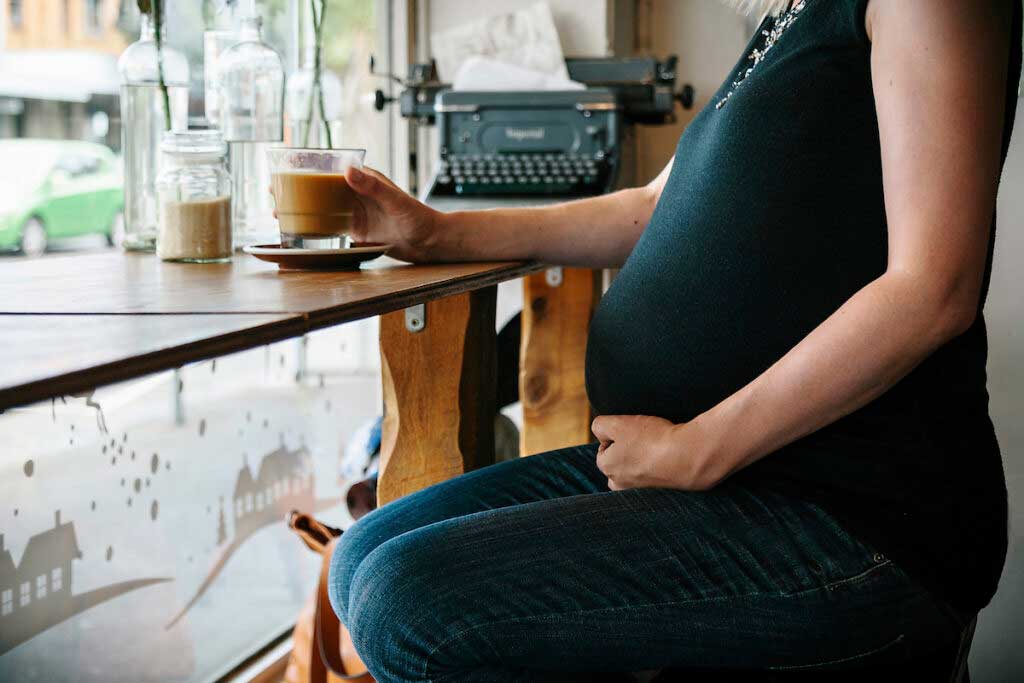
(528,570)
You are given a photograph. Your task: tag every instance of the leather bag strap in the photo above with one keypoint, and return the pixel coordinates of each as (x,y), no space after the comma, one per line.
(327,629)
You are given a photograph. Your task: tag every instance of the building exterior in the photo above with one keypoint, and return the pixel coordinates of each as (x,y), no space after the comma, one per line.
(58,69)
(62,25)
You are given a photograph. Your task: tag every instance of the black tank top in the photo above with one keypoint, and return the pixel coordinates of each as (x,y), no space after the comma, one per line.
(773,216)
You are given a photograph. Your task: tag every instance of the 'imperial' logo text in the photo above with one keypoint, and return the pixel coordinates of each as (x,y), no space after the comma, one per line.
(521,134)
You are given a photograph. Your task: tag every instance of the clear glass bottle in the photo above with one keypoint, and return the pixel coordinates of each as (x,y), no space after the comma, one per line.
(145,116)
(223,35)
(194,192)
(308,121)
(251,95)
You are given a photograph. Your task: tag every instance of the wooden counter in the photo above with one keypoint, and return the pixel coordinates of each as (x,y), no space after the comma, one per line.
(73,323)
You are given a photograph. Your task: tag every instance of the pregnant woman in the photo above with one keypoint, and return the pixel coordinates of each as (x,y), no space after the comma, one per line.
(796,467)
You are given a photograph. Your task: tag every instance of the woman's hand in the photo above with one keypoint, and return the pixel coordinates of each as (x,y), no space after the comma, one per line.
(639,451)
(385,213)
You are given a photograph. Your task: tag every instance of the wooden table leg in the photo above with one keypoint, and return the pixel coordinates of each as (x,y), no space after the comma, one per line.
(557,307)
(439,392)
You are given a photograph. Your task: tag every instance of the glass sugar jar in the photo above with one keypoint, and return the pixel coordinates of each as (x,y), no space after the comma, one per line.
(194,197)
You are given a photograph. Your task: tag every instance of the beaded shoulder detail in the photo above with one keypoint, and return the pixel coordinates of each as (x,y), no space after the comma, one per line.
(757,55)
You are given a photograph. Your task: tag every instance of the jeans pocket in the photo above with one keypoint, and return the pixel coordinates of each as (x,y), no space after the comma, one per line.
(889,652)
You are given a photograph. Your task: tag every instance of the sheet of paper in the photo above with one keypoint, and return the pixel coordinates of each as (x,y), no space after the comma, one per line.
(482,74)
(526,37)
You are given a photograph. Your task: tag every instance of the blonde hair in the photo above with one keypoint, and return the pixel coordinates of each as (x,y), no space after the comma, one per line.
(759,7)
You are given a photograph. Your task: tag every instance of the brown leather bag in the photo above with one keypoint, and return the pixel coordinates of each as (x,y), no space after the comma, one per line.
(322,649)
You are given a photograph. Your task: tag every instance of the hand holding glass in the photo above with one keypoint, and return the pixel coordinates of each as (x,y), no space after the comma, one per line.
(315,205)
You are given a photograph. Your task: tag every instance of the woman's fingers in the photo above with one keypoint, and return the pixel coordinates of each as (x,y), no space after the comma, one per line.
(367,185)
(360,224)
(376,187)
(605,458)
(605,427)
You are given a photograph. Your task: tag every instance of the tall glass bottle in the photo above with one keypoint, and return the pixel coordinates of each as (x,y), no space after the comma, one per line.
(145,116)
(312,105)
(216,40)
(251,94)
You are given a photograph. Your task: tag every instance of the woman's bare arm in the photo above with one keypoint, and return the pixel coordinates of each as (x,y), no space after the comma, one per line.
(939,72)
(596,232)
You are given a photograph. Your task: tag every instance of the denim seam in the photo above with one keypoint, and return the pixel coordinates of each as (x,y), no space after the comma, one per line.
(798,667)
(674,603)
(856,578)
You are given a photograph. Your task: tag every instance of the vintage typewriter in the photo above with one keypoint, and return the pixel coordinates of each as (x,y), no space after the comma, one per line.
(502,148)
(526,144)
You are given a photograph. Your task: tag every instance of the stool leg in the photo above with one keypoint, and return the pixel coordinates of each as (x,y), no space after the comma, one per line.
(557,307)
(439,395)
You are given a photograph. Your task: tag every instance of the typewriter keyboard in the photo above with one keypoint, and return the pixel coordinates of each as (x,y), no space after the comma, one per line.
(522,174)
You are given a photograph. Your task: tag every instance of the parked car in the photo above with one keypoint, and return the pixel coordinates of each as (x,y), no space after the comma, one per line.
(54,189)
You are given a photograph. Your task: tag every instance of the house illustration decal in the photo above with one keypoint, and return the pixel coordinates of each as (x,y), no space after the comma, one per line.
(284,481)
(35,594)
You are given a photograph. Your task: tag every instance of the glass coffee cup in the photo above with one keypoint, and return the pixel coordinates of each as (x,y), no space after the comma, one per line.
(315,206)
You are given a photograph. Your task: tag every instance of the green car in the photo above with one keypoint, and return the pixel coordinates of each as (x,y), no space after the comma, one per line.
(54,189)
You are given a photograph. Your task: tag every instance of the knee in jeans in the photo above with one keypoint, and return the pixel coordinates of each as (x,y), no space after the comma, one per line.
(392,621)
(361,539)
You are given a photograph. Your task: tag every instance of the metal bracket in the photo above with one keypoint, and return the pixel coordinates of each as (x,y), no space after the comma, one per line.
(416,318)
(553,276)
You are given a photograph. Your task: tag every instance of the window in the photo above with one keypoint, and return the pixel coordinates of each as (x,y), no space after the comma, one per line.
(41,586)
(248,502)
(92,16)
(56,579)
(88,165)
(6,602)
(79,165)
(26,594)
(17,19)
(239,509)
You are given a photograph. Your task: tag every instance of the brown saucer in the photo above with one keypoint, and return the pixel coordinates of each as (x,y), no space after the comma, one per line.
(288,258)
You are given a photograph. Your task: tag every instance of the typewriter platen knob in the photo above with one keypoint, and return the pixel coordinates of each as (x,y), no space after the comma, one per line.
(686,96)
(380,100)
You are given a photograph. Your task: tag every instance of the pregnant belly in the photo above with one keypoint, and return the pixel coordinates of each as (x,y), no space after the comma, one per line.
(677,334)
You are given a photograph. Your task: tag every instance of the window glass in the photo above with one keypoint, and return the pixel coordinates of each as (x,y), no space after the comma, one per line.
(6,601)
(93,22)
(60,83)
(133,506)
(15,13)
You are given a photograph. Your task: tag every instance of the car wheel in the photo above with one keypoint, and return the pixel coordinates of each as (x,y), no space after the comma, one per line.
(33,238)
(115,237)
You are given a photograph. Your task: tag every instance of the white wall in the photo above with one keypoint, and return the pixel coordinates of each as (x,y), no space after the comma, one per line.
(708,38)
